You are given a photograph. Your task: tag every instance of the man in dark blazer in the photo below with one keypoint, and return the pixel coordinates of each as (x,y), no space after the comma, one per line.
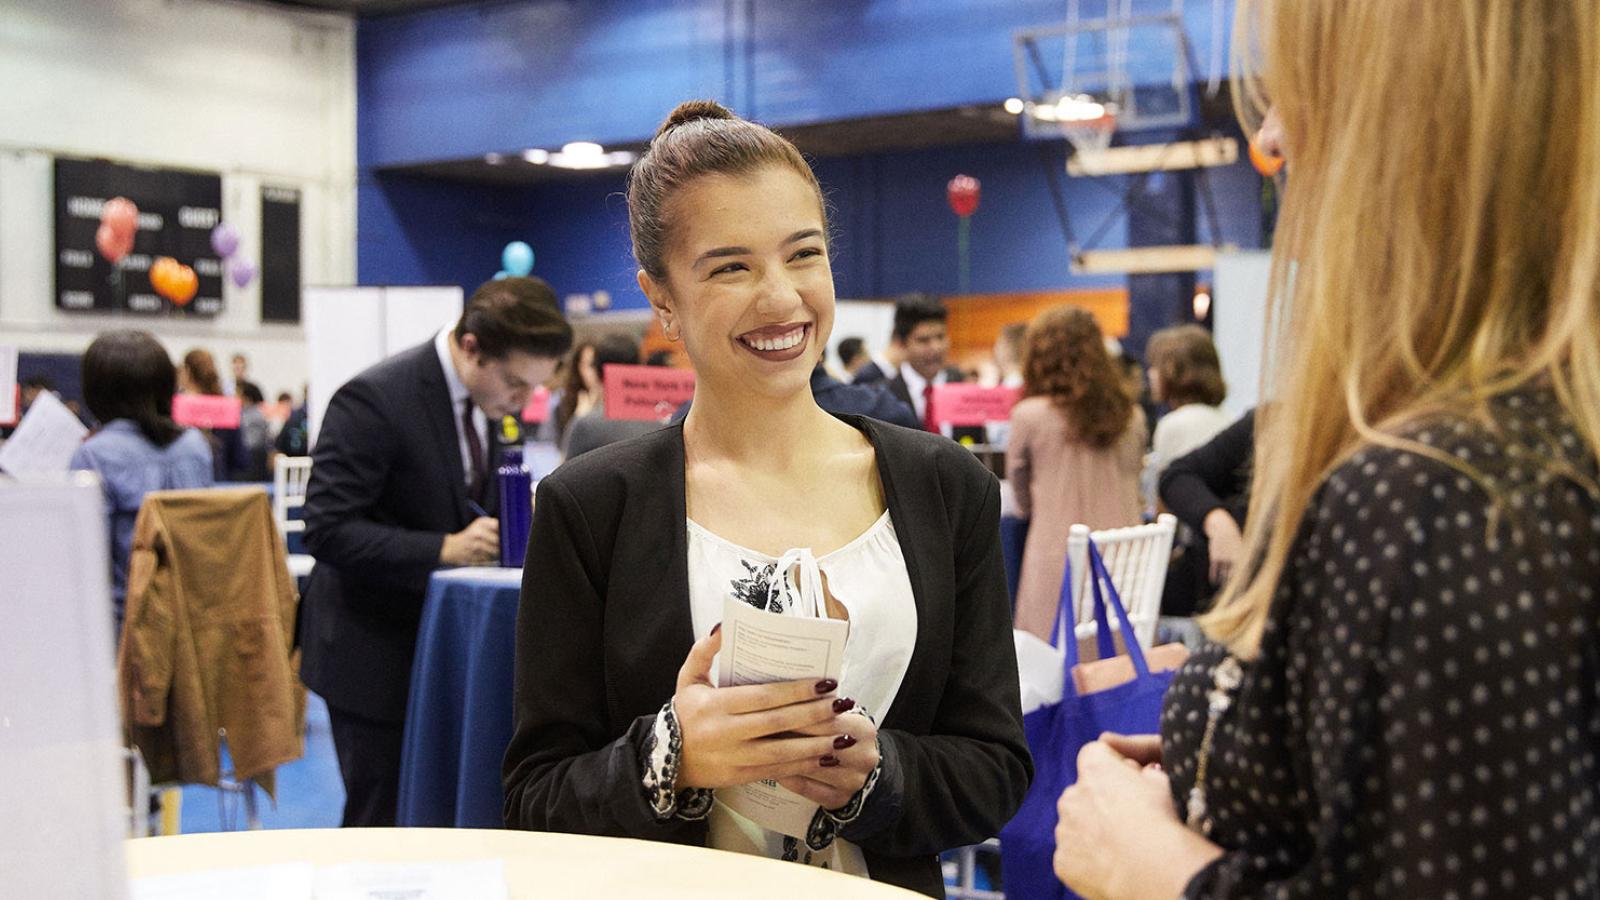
(402,483)
(920,335)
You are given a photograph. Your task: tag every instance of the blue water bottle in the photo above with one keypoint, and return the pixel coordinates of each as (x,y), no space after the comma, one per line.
(516,507)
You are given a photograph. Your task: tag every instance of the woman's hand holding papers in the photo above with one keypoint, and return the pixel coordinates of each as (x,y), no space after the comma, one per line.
(780,732)
(853,757)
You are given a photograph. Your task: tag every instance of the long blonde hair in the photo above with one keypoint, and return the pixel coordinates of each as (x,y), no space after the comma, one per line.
(1439,242)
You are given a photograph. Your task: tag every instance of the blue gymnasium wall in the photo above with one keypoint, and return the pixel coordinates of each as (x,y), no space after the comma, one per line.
(471,80)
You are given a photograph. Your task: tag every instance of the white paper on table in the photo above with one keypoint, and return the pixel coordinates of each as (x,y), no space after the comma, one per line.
(760,647)
(286,881)
(474,880)
(8,385)
(44,440)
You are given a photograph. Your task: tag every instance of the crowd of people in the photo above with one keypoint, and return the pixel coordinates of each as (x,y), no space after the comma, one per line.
(1389,569)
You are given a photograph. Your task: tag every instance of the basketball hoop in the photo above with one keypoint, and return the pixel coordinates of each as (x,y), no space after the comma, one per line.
(1091,137)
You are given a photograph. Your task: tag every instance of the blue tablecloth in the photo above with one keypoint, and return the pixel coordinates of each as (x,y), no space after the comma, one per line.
(458,721)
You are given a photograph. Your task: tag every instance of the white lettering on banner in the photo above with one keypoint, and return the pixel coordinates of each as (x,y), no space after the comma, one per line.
(77,259)
(207,266)
(207,305)
(144,302)
(77,299)
(198,217)
(136,262)
(280,195)
(85,207)
(151,222)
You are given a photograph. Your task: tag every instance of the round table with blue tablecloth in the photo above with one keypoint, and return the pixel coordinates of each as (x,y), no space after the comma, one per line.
(458,720)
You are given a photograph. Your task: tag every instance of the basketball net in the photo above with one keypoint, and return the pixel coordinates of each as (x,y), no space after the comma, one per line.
(1091,137)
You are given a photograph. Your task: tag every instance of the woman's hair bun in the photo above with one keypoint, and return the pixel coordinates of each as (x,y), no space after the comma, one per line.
(692,110)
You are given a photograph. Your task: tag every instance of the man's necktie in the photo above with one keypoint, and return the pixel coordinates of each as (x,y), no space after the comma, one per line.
(477,481)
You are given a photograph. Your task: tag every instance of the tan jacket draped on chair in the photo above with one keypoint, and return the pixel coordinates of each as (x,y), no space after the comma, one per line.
(206,645)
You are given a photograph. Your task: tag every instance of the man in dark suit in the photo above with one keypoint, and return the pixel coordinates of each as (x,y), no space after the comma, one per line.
(402,483)
(923,342)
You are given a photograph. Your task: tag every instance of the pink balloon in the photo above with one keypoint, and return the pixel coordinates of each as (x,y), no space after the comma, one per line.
(110,245)
(122,216)
(242,271)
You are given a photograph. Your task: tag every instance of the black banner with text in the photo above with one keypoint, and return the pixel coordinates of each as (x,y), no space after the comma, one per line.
(177,210)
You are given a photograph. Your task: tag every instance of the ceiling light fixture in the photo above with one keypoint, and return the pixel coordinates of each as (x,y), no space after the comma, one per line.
(580,155)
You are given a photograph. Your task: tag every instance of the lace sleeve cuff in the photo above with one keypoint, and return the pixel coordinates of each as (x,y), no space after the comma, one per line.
(663,750)
(826,824)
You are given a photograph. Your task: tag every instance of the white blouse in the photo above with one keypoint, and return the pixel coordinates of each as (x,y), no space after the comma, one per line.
(868,578)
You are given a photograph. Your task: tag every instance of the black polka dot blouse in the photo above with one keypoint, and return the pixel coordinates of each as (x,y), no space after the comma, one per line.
(1424,716)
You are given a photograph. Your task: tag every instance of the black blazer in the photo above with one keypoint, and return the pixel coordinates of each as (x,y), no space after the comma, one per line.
(386,487)
(870,373)
(605,625)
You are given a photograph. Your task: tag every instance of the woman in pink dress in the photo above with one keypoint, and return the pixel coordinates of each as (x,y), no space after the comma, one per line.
(1077,444)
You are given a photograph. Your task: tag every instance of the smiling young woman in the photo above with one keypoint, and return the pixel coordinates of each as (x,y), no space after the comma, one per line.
(919,747)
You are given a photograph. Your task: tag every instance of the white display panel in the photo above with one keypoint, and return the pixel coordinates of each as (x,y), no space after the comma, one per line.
(61,783)
(344,335)
(349,329)
(870,320)
(1239,323)
(415,314)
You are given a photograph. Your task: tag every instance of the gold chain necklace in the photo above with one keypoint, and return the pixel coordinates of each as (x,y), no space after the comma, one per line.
(1225,679)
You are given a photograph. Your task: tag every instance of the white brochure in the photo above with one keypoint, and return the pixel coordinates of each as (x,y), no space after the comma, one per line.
(472,880)
(760,647)
(44,440)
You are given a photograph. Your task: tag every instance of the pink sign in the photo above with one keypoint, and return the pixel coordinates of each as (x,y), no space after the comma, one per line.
(538,408)
(969,404)
(646,393)
(205,411)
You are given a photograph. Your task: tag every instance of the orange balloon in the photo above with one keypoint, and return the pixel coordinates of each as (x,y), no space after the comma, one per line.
(1268,166)
(161,275)
(185,283)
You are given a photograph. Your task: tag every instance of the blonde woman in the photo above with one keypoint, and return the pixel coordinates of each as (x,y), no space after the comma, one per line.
(1405,696)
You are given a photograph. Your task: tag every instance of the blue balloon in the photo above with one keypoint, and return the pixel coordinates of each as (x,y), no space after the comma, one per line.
(501,274)
(517,258)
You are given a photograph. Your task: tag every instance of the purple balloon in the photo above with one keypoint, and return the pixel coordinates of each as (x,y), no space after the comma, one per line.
(225,239)
(242,271)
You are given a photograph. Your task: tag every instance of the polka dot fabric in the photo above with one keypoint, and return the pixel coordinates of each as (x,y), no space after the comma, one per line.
(1424,717)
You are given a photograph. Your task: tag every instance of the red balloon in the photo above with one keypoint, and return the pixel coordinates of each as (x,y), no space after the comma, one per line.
(122,216)
(110,246)
(963,192)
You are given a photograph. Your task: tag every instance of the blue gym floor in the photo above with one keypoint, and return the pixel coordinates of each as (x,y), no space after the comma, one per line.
(310,794)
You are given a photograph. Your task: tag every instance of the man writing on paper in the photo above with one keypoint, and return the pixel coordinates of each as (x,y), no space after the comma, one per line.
(401,483)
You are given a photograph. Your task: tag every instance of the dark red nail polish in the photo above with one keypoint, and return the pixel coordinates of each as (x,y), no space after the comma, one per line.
(826,685)
(716,628)
(844,742)
(829,761)
(843,705)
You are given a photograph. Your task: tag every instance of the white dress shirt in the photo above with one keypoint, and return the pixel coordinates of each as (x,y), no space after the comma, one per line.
(915,384)
(458,396)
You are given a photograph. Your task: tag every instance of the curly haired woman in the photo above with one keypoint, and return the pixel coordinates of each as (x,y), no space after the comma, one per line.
(1077,442)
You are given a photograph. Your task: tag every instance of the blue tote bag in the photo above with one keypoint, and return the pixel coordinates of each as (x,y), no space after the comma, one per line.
(1056,734)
